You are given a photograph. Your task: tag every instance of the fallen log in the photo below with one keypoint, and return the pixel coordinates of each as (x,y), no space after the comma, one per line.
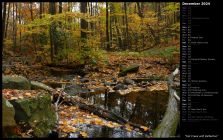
(129,69)
(67,66)
(85,105)
(168,126)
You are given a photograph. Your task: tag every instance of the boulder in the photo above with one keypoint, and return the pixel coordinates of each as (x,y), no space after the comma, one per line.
(75,89)
(15,82)
(84,80)
(8,113)
(38,85)
(36,113)
(128,81)
(120,86)
(109,83)
(8,121)
(129,69)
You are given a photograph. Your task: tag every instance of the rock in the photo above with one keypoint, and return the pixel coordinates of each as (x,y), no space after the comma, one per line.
(130,69)
(8,121)
(150,78)
(128,81)
(15,82)
(53,134)
(61,71)
(36,112)
(75,89)
(98,90)
(120,86)
(109,84)
(8,113)
(55,83)
(114,79)
(84,80)
(37,85)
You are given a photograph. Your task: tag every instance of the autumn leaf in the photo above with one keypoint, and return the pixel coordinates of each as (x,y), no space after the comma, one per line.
(69,129)
(13,98)
(128,127)
(84,134)
(144,128)
(28,94)
(63,122)
(74,121)
(20,97)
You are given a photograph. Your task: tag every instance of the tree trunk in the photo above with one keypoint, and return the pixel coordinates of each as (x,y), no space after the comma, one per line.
(126,27)
(14,25)
(107,33)
(7,20)
(31,10)
(32,18)
(52,11)
(110,26)
(40,9)
(3,21)
(158,12)
(60,7)
(20,31)
(140,12)
(83,8)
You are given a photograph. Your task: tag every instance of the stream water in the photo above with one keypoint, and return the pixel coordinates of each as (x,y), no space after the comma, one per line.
(145,108)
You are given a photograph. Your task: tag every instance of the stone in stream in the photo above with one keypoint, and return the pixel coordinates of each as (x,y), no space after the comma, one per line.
(120,86)
(15,82)
(109,83)
(35,112)
(84,80)
(128,81)
(129,69)
(38,85)
(114,79)
(75,89)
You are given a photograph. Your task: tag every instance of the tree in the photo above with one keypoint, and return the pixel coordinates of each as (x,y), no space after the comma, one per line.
(52,11)
(110,26)
(20,22)
(83,8)
(107,33)
(126,27)
(14,17)
(7,20)
(31,11)
(3,21)
(140,10)
(40,9)
(158,9)
(60,7)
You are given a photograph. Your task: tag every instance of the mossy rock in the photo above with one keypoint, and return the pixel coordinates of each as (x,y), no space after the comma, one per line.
(8,113)
(8,121)
(15,82)
(36,113)
(129,69)
(38,85)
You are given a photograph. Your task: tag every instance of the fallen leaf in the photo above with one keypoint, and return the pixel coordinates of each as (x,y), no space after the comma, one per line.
(20,97)
(144,128)
(128,127)
(84,134)
(28,94)
(13,98)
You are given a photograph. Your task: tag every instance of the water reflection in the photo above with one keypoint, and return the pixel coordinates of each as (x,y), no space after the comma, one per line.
(145,108)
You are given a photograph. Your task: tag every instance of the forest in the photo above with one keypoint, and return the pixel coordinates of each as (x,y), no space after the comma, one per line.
(90,69)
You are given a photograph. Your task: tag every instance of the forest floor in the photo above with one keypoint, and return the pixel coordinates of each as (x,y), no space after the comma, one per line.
(152,75)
